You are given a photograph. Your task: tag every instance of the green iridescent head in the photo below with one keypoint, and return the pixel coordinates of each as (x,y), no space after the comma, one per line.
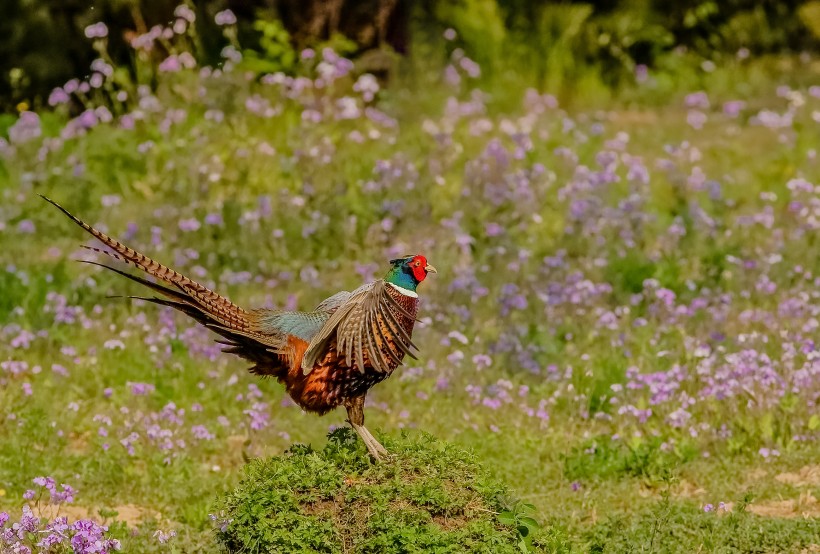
(409,271)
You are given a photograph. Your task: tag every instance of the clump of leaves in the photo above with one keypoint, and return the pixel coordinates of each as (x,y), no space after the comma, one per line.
(520,515)
(430,496)
(275,52)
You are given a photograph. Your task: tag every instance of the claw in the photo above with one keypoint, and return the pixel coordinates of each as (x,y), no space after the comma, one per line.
(373,446)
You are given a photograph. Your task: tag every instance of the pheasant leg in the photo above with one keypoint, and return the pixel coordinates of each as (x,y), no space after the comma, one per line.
(373,446)
(355,416)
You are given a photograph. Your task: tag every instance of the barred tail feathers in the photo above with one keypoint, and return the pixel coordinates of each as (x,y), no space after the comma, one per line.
(217,306)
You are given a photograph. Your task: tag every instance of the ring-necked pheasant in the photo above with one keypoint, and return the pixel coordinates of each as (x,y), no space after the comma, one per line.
(327,357)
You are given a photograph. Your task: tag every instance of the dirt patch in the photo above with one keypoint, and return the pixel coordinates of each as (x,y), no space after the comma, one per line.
(687,489)
(238,451)
(322,507)
(757,474)
(806,505)
(130,514)
(681,489)
(238,442)
(72,512)
(78,443)
(354,515)
(449,523)
(805,476)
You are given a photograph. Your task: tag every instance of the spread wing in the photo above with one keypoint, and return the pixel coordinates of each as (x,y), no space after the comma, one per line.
(367,324)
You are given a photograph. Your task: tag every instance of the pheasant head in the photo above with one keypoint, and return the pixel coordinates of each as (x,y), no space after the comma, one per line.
(407,272)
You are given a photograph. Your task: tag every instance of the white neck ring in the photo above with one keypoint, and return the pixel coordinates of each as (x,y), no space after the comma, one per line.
(404,291)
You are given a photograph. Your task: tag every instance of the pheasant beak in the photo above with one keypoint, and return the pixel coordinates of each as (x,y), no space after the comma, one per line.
(430,269)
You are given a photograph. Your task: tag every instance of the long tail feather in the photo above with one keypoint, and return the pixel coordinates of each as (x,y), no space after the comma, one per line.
(171,293)
(191,293)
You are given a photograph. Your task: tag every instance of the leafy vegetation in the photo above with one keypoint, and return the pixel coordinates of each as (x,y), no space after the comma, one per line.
(430,497)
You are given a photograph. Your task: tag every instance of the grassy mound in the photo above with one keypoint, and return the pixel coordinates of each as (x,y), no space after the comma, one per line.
(429,497)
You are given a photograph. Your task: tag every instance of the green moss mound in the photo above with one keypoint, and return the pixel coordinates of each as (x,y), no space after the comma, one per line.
(430,496)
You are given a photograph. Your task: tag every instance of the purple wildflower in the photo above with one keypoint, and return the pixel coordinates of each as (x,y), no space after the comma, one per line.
(225,17)
(96,30)
(141,389)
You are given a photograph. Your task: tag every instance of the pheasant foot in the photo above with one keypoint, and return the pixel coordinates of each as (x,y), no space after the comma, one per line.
(375,449)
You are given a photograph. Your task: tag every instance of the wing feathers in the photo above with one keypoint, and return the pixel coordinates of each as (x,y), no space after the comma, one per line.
(374,347)
(360,349)
(366,325)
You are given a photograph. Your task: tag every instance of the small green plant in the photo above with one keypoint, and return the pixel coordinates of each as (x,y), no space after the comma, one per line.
(520,515)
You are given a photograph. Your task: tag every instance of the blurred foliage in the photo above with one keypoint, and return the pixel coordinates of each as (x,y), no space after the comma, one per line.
(560,41)
(810,16)
(275,52)
(554,43)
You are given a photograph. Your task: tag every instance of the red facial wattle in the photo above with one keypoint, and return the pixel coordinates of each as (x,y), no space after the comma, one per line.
(417,266)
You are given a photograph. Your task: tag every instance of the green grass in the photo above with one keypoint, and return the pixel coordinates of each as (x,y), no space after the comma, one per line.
(675,527)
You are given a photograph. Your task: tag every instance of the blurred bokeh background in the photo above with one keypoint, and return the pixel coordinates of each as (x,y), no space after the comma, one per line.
(43,43)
